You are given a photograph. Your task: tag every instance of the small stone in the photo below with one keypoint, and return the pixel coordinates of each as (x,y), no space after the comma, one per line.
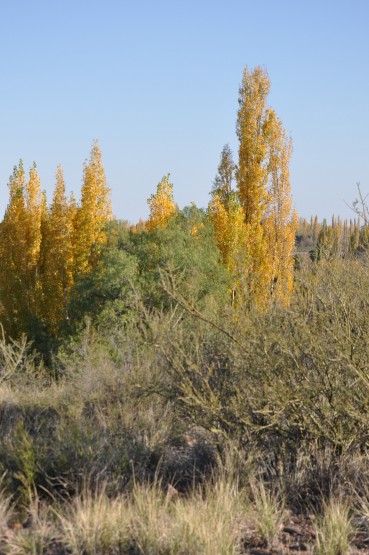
(292,531)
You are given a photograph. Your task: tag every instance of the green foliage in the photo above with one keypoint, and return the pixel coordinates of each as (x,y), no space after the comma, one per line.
(158,373)
(283,377)
(130,270)
(187,248)
(106,294)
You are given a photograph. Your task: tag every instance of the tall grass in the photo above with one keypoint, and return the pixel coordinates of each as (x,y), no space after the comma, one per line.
(334,528)
(94,524)
(269,512)
(223,508)
(151,522)
(6,510)
(37,536)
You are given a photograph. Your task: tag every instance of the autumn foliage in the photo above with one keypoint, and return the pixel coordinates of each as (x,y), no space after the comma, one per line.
(162,206)
(43,249)
(255,225)
(227,214)
(57,255)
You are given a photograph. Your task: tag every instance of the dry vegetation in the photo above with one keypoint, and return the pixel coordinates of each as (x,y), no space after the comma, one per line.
(185,386)
(188,427)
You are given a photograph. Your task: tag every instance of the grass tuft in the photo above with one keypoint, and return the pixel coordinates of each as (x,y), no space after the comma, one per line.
(334,528)
(269,512)
(93,524)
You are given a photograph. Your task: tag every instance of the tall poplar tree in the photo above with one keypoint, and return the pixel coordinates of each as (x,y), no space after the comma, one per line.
(226,169)
(35,202)
(57,256)
(92,215)
(20,239)
(13,255)
(279,221)
(227,214)
(162,205)
(264,192)
(252,174)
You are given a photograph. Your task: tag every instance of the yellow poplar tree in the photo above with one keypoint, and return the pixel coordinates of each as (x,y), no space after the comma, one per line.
(252,174)
(252,178)
(264,191)
(20,239)
(226,214)
(224,178)
(279,222)
(92,215)
(162,206)
(13,256)
(57,256)
(35,202)
(228,220)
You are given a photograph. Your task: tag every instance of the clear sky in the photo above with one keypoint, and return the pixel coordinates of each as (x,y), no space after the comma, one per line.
(156,82)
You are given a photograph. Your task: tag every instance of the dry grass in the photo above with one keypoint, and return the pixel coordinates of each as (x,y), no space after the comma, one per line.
(35,538)
(6,510)
(94,524)
(362,508)
(150,521)
(334,528)
(269,512)
(204,523)
(211,521)
(214,519)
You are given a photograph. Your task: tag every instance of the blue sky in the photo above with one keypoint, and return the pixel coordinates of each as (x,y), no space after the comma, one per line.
(156,82)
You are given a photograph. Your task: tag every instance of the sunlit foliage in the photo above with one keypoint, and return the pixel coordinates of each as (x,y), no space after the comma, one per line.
(92,215)
(20,240)
(264,192)
(227,214)
(162,206)
(43,250)
(57,255)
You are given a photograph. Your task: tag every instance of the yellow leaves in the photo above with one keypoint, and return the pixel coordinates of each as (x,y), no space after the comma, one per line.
(280,222)
(20,239)
(57,256)
(35,204)
(255,227)
(195,229)
(42,250)
(230,229)
(251,172)
(93,214)
(73,237)
(264,191)
(162,206)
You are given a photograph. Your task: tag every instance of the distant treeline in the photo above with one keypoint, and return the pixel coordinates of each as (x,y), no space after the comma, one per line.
(331,240)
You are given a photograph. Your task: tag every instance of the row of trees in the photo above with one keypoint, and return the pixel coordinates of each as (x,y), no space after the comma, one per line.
(44,248)
(336,239)
(254,223)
